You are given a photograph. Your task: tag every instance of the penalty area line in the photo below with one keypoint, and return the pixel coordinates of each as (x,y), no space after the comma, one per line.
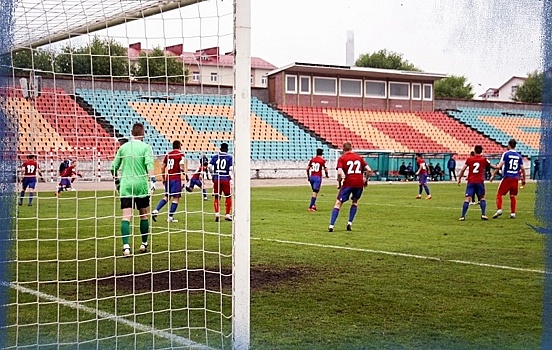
(405,255)
(106,315)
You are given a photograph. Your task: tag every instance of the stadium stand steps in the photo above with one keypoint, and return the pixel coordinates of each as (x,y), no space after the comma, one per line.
(305,128)
(110,129)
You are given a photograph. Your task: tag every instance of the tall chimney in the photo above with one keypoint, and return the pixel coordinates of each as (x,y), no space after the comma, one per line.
(350,49)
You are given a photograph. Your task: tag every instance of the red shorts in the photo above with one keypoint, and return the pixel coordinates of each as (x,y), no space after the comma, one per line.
(508,184)
(222,187)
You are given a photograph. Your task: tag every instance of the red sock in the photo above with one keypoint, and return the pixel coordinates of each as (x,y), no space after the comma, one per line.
(216,204)
(228,205)
(513,203)
(499,202)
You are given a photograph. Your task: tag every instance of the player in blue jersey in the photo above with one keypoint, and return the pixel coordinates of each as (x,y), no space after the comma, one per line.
(511,164)
(221,167)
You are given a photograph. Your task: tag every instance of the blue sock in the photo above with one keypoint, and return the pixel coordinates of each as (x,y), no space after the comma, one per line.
(426,188)
(312,202)
(465,207)
(173,208)
(420,190)
(31,195)
(335,213)
(352,212)
(204,191)
(21,195)
(161,204)
(483,204)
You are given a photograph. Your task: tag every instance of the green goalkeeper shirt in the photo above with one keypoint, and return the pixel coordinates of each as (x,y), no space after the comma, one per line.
(135,159)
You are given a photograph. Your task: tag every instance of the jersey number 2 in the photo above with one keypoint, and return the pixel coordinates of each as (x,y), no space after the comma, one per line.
(353,167)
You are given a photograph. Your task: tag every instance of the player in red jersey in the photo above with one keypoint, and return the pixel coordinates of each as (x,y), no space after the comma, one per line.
(422,177)
(198,179)
(476,166)
(66,178)
(352,176)
(314,175)
(29,170)
(173,168)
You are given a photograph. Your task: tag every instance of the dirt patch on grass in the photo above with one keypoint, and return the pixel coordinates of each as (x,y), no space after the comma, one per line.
(262,277)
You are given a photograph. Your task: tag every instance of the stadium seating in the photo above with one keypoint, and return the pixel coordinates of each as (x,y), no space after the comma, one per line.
(426,132)
(54,124)
(503,125)
(202,122)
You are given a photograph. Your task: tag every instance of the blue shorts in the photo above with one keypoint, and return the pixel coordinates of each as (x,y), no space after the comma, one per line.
(475,189)
(29,182)
(195,182)
(65,182)
(173,188)
(353,192)
(422,179)
(316,182)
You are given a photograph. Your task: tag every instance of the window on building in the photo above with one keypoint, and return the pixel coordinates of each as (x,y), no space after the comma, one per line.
(399,90)
(304,85)
(325,86)
(350,87)
(375,89)
(196,76)
(428,92)
(291,84)
(214,77)
(263,80)
(251,80)
(416,91)
(514,89)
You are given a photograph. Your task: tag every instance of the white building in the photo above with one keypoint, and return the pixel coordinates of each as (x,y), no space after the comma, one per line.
(505,92)
(209,67)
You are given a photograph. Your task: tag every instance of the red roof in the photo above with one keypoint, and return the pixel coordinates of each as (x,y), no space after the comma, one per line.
(205,57)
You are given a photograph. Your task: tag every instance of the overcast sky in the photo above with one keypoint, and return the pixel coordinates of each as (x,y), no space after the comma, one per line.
(488,41)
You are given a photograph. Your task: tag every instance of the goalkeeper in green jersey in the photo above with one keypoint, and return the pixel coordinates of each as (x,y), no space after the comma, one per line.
(135,160)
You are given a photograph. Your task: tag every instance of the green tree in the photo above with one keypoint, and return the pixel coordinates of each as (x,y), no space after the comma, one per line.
(39,60)
(454,87)
(386,60)
(156,66)
(531,90)
(99,58)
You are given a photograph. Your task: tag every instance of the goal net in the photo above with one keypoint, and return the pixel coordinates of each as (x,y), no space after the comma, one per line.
(78,76)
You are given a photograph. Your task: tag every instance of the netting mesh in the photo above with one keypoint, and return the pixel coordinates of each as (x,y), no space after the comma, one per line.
(82,74)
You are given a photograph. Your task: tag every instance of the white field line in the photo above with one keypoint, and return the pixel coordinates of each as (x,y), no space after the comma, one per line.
(405,255)
(102,314)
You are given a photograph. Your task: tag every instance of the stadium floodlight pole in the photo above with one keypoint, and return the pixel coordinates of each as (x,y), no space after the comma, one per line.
(242,180)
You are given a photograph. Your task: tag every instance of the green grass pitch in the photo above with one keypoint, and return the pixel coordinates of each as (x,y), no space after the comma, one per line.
(409,275)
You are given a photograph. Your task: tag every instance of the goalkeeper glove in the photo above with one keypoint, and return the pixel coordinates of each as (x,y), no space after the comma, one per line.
(117,184)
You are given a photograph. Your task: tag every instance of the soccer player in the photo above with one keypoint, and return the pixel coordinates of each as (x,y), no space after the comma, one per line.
(173,168)
(29,169)
(314,175)
(221,166)
(198,179)
(422,177)
(476,166)
(352,176)
(511,164)
(135,159)
(67,178)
